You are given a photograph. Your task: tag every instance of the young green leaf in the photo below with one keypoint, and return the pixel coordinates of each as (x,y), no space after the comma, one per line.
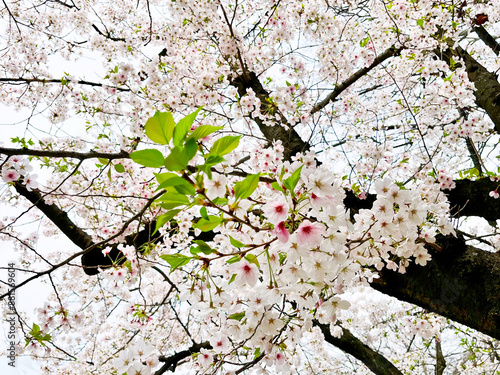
(191,148)
(203,212)
(276,186)
(160,127)
(211,161)
(252,259)
(233,259)
(183,127)
(291,182)
(202,248)
(160,177)
(148,158)
(119,168)
(243,189)
(220,201)
(207,225)
(237,316)
(204,131)
(171,200)
(224,145)
(165,218)
(180,184)
(177,160)
(236,243)
(175,260)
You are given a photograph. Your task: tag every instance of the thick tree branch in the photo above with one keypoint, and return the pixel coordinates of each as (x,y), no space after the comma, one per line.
(64,154)
(57,216)
(488,39)
(487,91)
(170,363)
(460,282)
(355,347)
(290,139)
(92,256)
(471,198)
(392,51)
(468,198)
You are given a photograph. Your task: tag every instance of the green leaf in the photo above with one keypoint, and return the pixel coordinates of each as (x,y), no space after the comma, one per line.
(243,189)
(203,212)
(181,185)
(291,182)
(233,277)
(177,160)
(207,225)
(191,148)
(103,161)
(175,260)
(160,127)
(236,243)
(160,177)
(211,161)
(119,168)
(149,158)
(202,248)
(233,259)
(165,218)
(237,316)
(183,127)
(171,200)
(277,186)
(252,259)
(204,131)
(220,201)
(256,353)
(225,145)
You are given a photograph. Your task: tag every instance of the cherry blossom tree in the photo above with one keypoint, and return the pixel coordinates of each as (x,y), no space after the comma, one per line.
(239,177)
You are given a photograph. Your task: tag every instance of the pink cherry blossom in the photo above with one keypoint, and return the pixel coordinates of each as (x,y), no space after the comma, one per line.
(246,273)
(276,211)
(30,181)
(281,232)
(220,342)
(310,234)
(10,175)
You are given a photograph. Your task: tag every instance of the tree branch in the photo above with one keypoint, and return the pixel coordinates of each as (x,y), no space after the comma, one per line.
(468,198)
(471,198)
(290,139)
(392,51)
(488,39)
(460,282)
(64,154)
(353,346)
(487,91)
(440,360)
(57,216)
(60,81)
(170,363)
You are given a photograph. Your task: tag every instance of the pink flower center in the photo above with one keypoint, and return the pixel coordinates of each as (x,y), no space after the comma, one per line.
(307,229)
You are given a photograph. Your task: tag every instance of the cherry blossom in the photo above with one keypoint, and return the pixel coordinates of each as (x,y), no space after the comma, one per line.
(276,211)
(310,234)
(10,176)
(327,145)
(246,273)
